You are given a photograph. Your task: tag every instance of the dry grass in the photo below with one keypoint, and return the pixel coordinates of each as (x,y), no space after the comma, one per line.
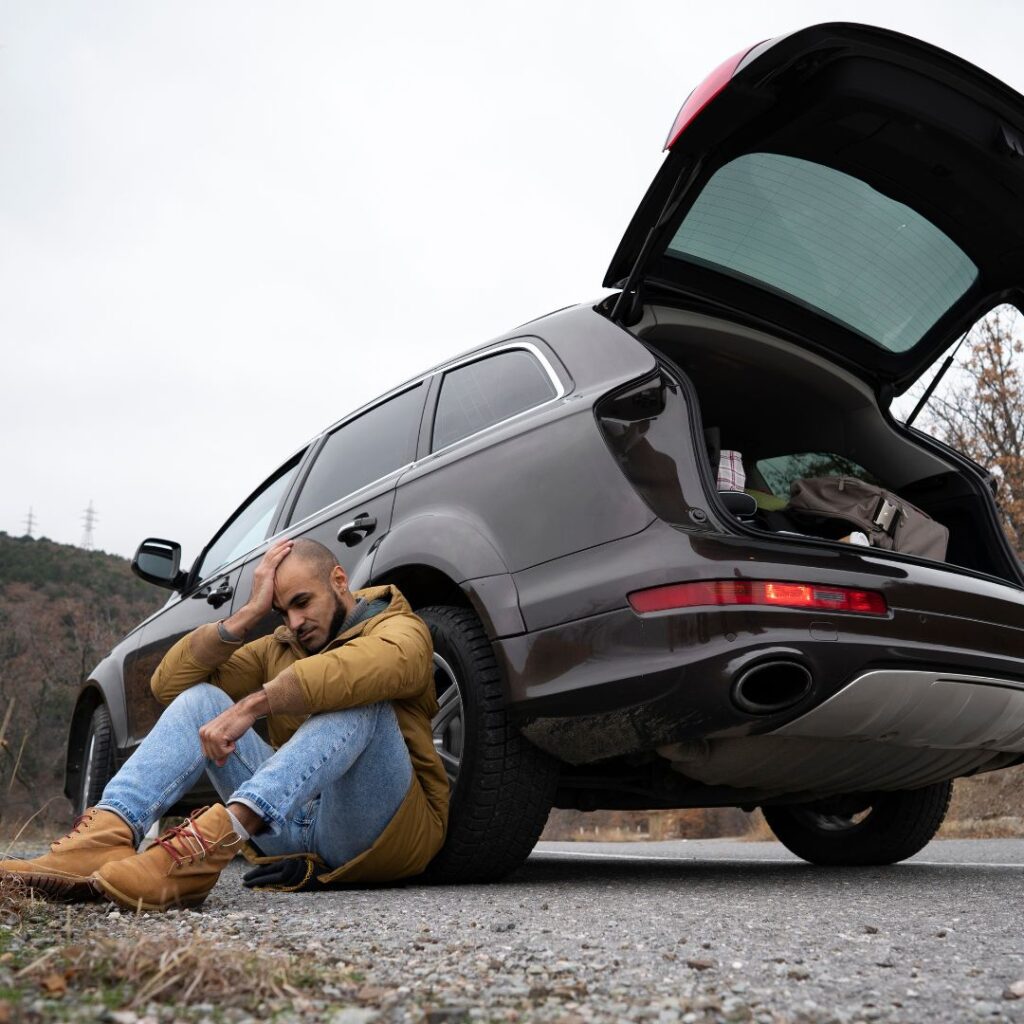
(14,898)
(147,961)
(148,967)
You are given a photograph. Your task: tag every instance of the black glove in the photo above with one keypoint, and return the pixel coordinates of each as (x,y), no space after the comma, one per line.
(285,874)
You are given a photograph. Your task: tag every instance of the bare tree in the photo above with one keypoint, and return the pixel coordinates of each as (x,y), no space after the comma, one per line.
(980,411)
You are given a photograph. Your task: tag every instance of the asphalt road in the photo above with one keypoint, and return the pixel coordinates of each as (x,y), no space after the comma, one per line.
(679,931)
(683,932)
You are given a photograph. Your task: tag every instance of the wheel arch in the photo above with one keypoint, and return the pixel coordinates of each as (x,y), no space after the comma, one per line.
(441,558)
(423,584)
(101,688)
(493,598)
(443,540)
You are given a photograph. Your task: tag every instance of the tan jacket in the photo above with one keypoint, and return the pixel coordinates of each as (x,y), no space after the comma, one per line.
(386,657)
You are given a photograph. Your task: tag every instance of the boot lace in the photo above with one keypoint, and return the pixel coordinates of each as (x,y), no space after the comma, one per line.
(76,827)
(194,844)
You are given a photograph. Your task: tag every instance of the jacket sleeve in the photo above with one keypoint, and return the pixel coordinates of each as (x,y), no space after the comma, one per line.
(238,669)
(393,662)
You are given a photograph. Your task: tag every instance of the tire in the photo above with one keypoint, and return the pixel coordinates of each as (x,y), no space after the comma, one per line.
(879,829)
(502,786)
(98,759)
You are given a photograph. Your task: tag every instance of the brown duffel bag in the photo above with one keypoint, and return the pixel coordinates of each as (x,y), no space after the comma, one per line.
(889,521)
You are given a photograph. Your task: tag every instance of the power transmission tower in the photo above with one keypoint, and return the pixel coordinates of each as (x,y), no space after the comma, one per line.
(89,521)
(30,522)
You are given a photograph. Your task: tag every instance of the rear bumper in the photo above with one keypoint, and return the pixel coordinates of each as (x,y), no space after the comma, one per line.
(591,679)
(620,683)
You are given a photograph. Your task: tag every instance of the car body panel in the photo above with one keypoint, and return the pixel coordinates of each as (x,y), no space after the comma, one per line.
(567,461)
(496,600)
(105,685)
(600,579)
(142,709)
(458,483)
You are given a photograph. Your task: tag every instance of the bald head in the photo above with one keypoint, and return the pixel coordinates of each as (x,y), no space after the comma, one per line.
(311,593)
(315,555)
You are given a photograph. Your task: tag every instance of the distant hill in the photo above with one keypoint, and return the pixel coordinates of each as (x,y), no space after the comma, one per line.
(56,567)
(61,610)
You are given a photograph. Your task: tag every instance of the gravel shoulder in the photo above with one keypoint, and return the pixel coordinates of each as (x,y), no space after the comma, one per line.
(682,931)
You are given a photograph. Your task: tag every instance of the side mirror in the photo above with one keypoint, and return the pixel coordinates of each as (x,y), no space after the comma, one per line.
(157,561)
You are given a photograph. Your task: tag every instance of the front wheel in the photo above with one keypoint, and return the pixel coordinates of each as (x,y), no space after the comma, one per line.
(502,787)
(98,759)
(880,828)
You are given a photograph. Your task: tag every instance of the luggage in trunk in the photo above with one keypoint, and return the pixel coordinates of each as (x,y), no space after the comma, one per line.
(845,503)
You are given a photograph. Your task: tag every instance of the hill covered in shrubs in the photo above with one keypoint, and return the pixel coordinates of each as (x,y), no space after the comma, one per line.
(61,610)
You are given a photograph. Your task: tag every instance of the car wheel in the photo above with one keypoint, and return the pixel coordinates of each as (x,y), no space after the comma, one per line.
(502,787)
(98,758)
(882,828)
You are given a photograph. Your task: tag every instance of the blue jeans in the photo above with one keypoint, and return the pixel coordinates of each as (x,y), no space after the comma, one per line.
(330,790)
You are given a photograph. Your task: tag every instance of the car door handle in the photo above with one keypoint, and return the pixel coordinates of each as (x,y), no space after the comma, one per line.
(220,595)
(360,527)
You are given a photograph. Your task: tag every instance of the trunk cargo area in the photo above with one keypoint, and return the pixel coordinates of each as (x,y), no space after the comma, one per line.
(789,414)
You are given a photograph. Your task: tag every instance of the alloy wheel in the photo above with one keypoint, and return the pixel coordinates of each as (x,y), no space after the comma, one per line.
(447,725)
(834,821)
(88,769)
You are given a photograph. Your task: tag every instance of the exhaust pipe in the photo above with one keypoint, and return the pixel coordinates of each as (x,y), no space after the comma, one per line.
(771,686)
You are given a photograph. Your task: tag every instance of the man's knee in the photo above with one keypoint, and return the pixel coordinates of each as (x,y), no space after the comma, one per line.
(203,700)
(366,719)
(360,724)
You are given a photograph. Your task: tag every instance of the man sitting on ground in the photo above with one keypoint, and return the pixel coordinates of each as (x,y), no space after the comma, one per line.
(350,776)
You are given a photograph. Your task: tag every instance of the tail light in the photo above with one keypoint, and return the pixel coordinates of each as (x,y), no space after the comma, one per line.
(704,94)
(778,594)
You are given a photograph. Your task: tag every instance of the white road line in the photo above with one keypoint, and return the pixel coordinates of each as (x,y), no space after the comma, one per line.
(671,859)
(654,859)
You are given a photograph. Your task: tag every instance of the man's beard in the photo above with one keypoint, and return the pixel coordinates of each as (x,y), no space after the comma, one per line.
(337,619)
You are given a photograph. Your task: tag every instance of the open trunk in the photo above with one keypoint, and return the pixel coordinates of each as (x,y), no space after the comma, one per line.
(837,206)
(855,190)
(791,413)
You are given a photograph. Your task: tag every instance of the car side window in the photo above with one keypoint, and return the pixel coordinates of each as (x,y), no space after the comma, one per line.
(362,450)
(487,391)
(250,525)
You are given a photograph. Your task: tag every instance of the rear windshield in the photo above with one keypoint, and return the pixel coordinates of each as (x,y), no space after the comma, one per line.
(829,241)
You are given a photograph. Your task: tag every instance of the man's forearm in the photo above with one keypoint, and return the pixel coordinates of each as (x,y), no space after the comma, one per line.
(257,704)
(239,624)
(214,643)
(201,656)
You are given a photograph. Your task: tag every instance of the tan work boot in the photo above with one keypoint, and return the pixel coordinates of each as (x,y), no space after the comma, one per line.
(97,838)
(179,869)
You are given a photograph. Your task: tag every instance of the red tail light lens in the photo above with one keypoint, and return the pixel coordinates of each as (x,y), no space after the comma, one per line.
(704,94)
(779,594)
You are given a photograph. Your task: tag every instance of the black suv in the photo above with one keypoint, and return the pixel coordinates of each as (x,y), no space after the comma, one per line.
(836,208)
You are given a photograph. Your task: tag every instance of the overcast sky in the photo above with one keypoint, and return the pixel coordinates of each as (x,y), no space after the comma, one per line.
(224,225)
